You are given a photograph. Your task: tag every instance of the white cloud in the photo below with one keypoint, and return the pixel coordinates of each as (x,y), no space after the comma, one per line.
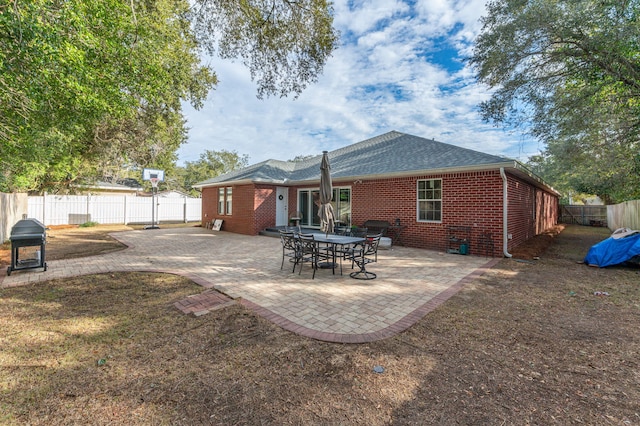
(382,78)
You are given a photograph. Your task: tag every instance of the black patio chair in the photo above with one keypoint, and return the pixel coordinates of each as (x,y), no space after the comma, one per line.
(364,254)
(347,252)
(359,232)
(341,252)
(290,248)
(309,252)
(342,230)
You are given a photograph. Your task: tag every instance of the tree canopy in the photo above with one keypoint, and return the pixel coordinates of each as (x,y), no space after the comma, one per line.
(209,165)
(91,87)
(570,72)
(283,43)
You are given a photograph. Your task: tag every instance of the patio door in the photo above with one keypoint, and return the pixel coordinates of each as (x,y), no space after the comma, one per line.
(282,205)
(308,205)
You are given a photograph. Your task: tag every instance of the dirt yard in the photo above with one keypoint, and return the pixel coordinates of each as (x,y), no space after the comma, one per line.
(527,343)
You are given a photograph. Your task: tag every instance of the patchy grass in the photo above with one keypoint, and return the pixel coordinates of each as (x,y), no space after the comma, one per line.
(526,343)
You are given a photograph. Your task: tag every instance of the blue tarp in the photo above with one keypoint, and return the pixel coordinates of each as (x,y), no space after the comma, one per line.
(613,251)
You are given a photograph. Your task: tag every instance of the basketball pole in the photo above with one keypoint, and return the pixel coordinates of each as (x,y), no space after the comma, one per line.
(154,190)
(153,205)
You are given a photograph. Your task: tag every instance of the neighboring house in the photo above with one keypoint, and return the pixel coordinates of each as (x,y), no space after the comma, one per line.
(108,188)
(428,186)
(173,194)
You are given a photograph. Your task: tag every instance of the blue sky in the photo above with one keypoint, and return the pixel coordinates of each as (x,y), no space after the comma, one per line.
(399,67)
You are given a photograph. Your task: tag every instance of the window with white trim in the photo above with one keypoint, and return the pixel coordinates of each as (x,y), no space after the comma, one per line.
(229,199)
(430,200)
(220,200)
(308,205)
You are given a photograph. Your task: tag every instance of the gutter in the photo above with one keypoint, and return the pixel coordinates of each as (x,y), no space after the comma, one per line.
(505,212)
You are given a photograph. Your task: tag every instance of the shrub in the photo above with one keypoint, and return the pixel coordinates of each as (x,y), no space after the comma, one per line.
(88,224)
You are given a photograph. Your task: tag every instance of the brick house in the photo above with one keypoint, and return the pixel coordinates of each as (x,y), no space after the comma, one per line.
(433,189)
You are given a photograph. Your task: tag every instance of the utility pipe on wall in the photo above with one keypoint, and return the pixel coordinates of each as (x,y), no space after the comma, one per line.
(505,212)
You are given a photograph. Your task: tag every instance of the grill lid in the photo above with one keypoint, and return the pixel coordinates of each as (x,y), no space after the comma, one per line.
(30,227)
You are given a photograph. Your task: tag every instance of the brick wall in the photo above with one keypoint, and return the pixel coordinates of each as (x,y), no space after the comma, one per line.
(265,207)
(472,199)
(522,211)
(468,199)
(531,211)
(243,214)
(547,211)
(209,204)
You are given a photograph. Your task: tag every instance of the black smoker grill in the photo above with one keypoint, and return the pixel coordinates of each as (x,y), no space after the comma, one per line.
(28,237)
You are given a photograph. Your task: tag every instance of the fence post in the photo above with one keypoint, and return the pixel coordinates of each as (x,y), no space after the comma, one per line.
(125,210)
(184,208)
(44,208)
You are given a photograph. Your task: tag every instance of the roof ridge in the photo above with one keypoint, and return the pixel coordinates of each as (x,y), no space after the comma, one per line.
(390,153)
(385,137)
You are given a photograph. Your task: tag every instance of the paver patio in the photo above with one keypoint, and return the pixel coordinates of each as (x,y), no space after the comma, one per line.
(411,282)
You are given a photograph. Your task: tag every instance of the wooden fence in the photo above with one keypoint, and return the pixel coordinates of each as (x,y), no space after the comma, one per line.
(624,215)
(584,215)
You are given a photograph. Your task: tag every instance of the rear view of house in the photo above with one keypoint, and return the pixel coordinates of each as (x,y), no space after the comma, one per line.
(437,193)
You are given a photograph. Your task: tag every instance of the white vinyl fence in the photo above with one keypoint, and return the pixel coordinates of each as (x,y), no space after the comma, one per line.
(113,209)
(12,208)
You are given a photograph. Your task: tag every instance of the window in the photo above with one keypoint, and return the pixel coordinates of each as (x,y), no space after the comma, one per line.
(342,207)
(308,205)
(224,200)
(430,200)
(229,199)
(220,200)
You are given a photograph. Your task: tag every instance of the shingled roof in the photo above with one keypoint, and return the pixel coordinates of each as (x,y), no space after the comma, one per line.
(390,154)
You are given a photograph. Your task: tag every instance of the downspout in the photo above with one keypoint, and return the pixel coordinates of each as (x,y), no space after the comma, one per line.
(505,212)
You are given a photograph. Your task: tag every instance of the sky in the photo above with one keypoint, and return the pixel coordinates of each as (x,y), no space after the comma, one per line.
(399,66)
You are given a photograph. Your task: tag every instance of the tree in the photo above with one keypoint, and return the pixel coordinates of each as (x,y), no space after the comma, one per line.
(570,72)
(90,86)
(77,67)
(283,43)
(210,165)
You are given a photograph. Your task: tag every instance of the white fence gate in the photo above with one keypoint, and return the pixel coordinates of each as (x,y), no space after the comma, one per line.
(113,209)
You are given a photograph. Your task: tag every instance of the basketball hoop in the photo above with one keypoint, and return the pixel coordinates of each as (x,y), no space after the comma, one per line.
(153,176)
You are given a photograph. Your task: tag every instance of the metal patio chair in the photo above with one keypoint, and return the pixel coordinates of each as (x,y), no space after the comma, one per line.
(364,254)
(309,252)
(290,248)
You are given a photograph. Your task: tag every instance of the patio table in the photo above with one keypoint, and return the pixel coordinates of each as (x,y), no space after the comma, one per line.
(337,240)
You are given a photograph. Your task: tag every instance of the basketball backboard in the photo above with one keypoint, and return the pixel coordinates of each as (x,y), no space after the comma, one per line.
(148,174)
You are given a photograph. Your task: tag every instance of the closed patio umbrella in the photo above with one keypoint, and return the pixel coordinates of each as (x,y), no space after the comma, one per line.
(326,193)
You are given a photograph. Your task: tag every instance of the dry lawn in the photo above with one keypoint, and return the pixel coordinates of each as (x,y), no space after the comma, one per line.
(526,343)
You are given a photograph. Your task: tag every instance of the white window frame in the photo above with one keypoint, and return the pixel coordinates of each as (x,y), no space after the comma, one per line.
(334,202)
(229,200)
(419,200)
(221,200)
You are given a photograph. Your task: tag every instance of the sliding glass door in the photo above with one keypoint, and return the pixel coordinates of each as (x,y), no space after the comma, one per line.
(308,205)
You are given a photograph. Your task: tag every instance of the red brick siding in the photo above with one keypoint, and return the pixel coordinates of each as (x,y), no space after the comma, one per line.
(547,211)
(209,204)
(471,199)
(253,210)
(531,211)
(265,207)
(521,216)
